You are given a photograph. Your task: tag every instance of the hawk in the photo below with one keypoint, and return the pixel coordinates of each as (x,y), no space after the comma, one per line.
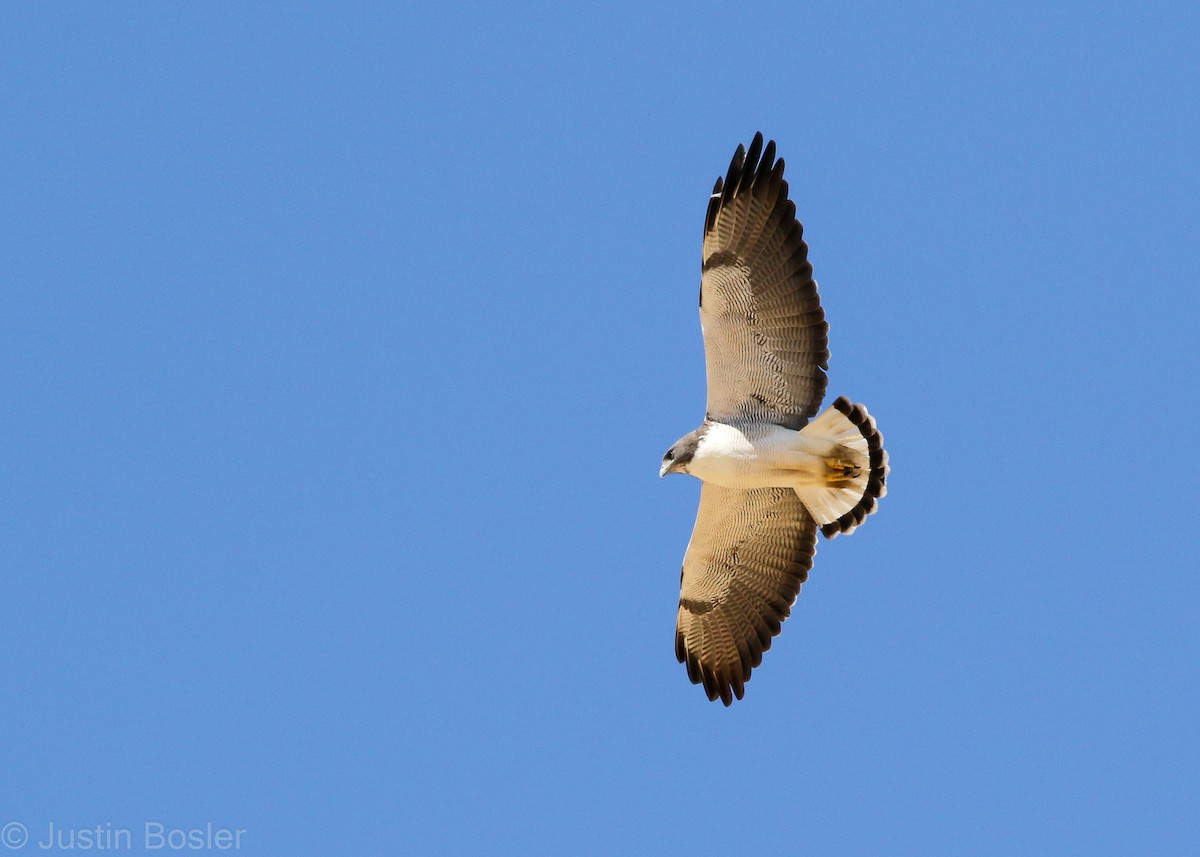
(772,474)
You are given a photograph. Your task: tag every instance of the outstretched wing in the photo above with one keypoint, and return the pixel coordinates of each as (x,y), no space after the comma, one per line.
(765,336)
(749,553)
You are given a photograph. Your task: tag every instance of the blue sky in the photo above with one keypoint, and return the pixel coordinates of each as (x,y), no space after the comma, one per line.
(341,344)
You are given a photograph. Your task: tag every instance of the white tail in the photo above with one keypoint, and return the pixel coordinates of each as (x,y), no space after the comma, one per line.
(854,485)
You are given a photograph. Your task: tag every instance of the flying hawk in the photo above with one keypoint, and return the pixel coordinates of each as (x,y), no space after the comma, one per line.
(771,477)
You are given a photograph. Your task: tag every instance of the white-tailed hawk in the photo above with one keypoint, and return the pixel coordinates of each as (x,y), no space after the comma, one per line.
(773,475)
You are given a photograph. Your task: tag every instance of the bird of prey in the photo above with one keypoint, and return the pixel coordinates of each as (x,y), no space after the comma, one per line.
(772,474)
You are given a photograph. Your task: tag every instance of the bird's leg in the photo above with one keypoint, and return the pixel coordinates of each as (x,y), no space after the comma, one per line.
(839,473)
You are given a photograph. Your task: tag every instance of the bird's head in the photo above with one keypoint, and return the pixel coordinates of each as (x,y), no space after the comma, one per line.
(679,456)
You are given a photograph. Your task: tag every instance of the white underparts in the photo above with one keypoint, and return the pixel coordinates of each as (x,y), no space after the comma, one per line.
(827,462)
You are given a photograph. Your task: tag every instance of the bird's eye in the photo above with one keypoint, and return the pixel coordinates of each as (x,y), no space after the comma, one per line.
(670,456)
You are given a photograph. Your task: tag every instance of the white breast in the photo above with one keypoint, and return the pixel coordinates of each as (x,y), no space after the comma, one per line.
(760,456)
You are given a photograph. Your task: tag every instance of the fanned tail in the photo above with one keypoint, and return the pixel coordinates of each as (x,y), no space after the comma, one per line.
(856,478)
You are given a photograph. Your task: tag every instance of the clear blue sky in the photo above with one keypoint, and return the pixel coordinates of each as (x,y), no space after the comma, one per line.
(340,345)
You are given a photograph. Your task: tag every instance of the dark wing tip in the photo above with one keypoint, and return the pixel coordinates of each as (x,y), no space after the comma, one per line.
(734,174)
(766,168)
(750,165)
(755,170)
(714,205)
(751,168)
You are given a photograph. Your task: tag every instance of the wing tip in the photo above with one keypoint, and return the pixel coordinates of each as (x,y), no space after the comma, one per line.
(750,170)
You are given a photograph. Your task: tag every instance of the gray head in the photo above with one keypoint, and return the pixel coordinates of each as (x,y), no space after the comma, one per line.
(680,455)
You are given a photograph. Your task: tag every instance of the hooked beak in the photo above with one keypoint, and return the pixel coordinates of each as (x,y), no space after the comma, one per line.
(665,469)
